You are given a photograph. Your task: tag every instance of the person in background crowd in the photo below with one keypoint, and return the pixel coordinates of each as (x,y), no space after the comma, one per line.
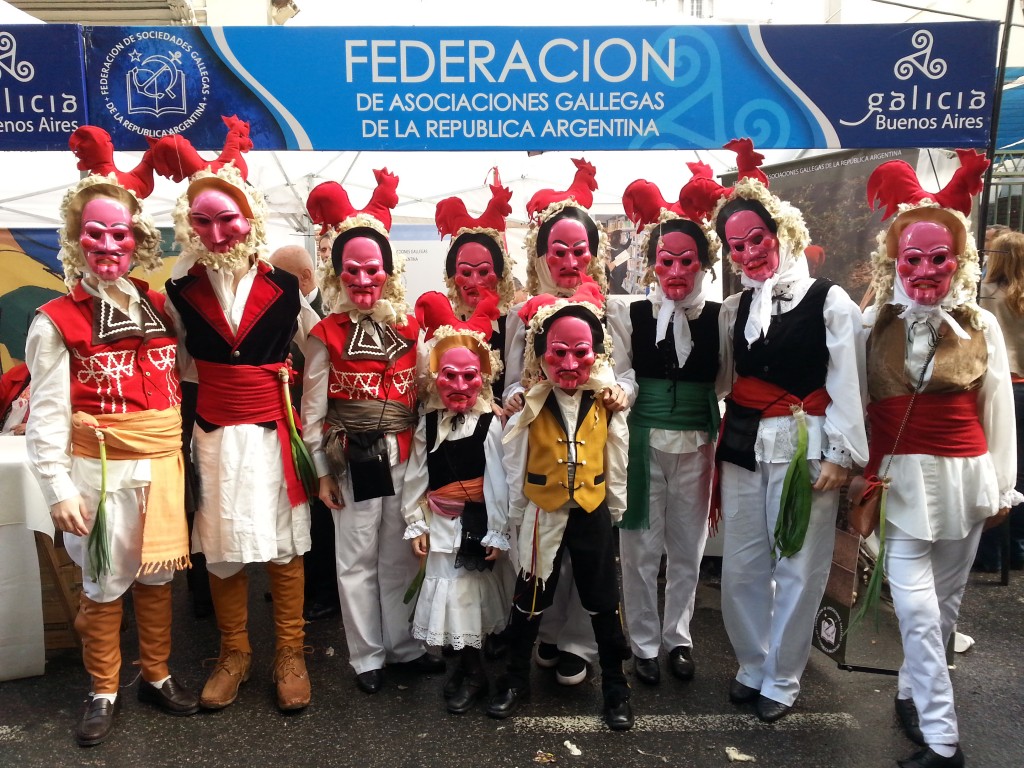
(104,442)
(1002,294)
(792,365)
(323,247)
(939,386)
(321,601)
(237,317)
(15,391)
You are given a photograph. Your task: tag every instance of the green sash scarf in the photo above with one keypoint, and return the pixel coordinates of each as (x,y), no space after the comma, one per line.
(662,404)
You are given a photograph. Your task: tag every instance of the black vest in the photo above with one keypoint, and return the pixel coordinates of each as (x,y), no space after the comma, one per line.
(653,361)
(267,341)
(456,460)
(793,354)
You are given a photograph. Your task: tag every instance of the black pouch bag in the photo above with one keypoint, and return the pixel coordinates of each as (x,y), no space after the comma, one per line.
(368,465)
(739,433)
(474,527)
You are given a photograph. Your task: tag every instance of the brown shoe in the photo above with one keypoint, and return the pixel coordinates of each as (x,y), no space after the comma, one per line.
(291,679)
(221,687)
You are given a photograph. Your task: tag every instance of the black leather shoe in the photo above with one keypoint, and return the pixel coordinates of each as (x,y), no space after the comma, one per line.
(926,758)
(619,716)
(906,713)
(97,721)
(769,710)
(495,646)
(426,665)
(647,670)
(453,683)
(171,697)
(371,681)
(680,661)
(742,694)
(470,692)
(316,611)
(507,701)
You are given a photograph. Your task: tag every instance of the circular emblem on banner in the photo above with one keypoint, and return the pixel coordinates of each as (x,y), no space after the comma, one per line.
(154,82)
(828,627)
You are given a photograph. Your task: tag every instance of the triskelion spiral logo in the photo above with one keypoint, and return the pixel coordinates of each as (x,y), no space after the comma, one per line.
(154,82)
(922,61)
(22,71)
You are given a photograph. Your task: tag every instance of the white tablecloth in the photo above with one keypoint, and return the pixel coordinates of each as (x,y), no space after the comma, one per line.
(22,512)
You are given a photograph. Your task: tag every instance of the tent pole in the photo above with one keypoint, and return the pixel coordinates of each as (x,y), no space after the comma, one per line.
(997,102)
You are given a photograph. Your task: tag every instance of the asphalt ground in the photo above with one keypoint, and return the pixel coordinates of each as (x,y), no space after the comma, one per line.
(841,719)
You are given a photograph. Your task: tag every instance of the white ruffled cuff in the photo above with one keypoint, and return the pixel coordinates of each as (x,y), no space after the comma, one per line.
(416,529)
(1009,499)
(838,455)
(496,540)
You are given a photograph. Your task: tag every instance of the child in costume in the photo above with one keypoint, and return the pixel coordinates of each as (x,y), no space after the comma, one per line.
(949,449)
(566,460)
(791,362)
(359,416)
(457,464)
(104,442)
(671,342)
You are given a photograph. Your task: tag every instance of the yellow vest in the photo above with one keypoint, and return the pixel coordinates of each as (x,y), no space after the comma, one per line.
(547,472)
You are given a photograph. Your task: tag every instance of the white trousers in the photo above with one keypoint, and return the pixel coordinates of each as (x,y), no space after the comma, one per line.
(680,495)
(375,567)
(124,524)
(769,605)
(927,580)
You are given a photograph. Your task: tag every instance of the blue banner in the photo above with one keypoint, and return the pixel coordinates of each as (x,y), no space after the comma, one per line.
(509,88)
(42,91)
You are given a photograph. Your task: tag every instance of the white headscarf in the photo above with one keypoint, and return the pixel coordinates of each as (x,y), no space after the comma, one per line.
(683,310)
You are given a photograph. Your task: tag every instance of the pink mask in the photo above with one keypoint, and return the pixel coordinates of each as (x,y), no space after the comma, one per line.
(218,221)
(752,245)
(474,271)
(107,238)
(926,261)
(569,355)
(458,379)
(362,272)
(677,265)
(568,255)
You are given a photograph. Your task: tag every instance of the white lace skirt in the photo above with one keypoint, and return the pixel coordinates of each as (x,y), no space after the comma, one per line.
(457,607)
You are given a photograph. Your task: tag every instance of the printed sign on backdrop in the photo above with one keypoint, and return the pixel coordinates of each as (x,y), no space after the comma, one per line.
(546,88)
(42,93)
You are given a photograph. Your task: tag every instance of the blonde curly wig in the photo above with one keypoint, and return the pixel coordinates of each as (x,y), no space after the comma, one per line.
(147,237)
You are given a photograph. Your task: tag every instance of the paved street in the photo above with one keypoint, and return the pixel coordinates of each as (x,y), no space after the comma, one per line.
(841,719)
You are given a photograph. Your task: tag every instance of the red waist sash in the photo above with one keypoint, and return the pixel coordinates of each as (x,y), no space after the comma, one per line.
(230,395)
(773,400)
(939,425)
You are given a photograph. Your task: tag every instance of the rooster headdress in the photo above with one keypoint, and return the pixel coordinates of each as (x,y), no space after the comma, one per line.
(105,181)
(329,206)
(654,216)
(893,186)
(487,229)
(548,206)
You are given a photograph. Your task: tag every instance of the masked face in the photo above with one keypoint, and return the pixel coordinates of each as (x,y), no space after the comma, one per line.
(107,239)
(676,265)
(569,355)
(926,261)
(218,221)
(568,255)
(362,272)
(752,245)
(474,273)
(458,379)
